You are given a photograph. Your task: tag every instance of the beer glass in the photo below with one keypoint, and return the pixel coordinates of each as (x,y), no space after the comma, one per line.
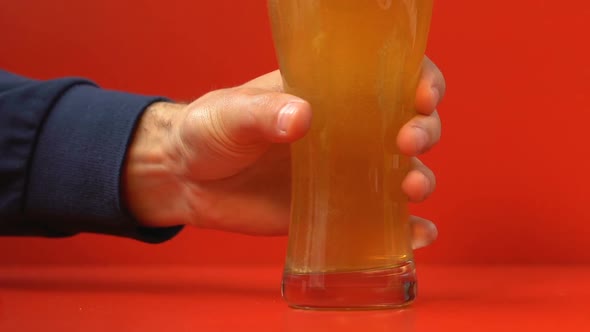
(358,63)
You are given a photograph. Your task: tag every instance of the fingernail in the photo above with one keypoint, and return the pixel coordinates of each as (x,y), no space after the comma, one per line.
(285,116)
(421,138)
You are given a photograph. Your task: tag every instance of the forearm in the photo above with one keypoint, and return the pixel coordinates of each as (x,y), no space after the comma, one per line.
(62,148)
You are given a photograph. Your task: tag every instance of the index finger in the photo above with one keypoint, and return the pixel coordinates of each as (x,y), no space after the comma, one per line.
(431,88)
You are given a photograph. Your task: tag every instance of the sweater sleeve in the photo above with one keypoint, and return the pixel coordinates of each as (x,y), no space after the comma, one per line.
(62,149)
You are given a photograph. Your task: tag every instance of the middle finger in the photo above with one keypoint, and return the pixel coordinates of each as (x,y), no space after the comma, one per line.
(420,134)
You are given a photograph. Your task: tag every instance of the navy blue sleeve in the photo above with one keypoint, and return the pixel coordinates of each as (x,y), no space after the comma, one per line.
(62,149)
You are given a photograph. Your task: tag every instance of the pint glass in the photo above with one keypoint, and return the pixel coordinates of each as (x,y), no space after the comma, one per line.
(358,63)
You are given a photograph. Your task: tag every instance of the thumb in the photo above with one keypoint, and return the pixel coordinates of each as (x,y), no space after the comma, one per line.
(242,117)
(230,129)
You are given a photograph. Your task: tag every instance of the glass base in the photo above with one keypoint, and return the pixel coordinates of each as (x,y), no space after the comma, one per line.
(386,288)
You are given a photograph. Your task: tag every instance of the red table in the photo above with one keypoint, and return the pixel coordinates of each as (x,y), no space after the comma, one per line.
(451,298)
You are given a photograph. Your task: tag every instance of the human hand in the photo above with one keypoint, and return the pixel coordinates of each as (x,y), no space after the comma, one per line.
(223,161)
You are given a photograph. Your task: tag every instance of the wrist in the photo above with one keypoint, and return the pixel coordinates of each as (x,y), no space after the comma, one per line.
(149,180)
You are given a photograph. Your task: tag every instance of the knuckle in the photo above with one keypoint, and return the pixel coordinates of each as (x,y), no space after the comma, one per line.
(268,99)
(256,100)
(263,99)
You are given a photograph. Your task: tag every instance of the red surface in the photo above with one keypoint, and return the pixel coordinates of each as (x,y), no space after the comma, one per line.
(457,298)
(512,166)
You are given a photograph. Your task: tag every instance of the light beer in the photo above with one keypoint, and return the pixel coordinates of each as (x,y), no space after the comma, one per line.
(358,63)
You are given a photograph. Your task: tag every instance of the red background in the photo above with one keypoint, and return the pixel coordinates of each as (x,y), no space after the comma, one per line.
(512,166)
